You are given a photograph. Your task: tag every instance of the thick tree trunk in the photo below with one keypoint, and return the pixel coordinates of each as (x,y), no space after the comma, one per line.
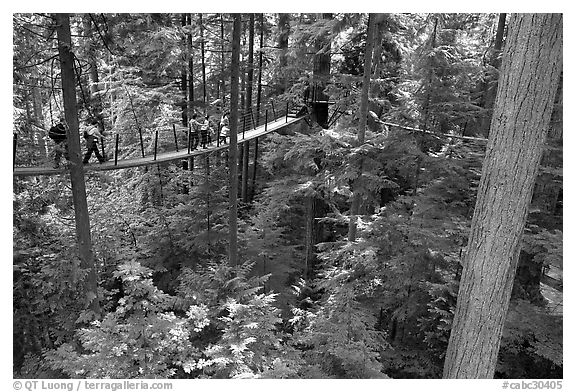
(233,148)
(531,66)
(549,180)
(82,217)
(363,115)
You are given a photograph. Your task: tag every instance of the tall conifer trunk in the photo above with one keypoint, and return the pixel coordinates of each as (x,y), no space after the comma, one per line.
(491,84)
(184,80)
(363,115)
(249,85)
(81,215)
(320,77)
(531,67)
(233,149)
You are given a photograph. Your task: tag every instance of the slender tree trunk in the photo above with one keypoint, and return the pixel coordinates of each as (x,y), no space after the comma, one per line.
(260,53)
(363,115)
(184,82)
(208,200)
(258,104)
(250,82)
(189,71)
(233,148)
(321,76)
(426,107)
(531,67)
(377,52)
(94,99)
(222,68)
(203,59)
(190,57)
(39,117)
(491,83)
(82,217)
(283,35)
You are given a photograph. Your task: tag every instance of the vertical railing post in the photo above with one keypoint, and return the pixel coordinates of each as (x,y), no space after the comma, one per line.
(141,141)
(266,122)
(155,145)
(175,137)
(273,110)
(253,190)
(252,117)
(14,150)
(103,151)
(116,151)
(189,131)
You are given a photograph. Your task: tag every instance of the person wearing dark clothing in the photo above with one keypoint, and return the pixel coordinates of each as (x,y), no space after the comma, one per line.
(224,128)
(194,128)
(58,134)
(92,135)
(204,129)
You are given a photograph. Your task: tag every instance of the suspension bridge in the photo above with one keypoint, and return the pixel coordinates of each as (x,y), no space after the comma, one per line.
(175,143)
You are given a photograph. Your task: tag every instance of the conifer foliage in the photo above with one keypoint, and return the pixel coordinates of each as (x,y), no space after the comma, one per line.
(194,281)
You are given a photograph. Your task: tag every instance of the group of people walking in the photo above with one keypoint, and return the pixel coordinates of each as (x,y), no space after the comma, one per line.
(203,132)
(92,134)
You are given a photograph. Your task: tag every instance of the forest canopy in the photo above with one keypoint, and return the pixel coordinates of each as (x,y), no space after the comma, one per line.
(332,173)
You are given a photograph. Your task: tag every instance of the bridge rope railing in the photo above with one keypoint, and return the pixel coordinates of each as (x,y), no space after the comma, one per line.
(146,142)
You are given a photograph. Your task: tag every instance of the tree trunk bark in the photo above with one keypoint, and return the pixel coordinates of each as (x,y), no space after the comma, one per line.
(250,82)
(203,59)
(82,217)
(233,148)
(258,105)
(320,76)
(190,58)
(184,82)
(363,115)
(549,182)
(223,92)
(39,117)
(531,67)
(491,83)
(283,35)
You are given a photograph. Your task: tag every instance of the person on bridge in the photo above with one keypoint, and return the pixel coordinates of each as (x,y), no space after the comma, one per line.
(194,129)
(58,134)
(211,130)
(92,135)
(224,128)
(204,130)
